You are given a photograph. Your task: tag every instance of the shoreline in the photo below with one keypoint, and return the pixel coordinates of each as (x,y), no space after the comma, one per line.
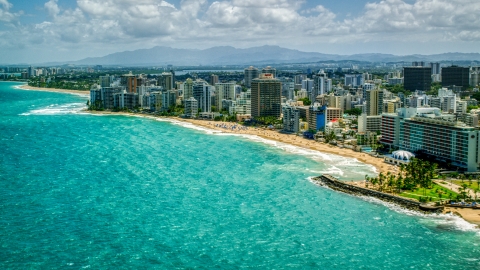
(53,90)
(290,139)
(470,215)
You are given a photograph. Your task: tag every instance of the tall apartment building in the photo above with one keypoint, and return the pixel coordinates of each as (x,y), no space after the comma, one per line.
(371,123)
(266,96)
(317,117)
(165,80)
(417,78)
(474,76)
(125,100)
(191,107)
(440,136)
(307,84)
(129,81)
(213,79)
(321,85)
(224,91)
(455,75)
(288,88)
(374,102)
(105,81)
(291,119)
(250,73)
(243,103)
(435,68)
(354,80)
(202,92)
(169,99)
(188,89)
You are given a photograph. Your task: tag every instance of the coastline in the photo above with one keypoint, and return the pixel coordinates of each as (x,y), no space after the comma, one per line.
(54,90)
(470,215)
(291,139)
(299,141)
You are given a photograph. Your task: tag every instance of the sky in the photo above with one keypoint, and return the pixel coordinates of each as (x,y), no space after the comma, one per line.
(37,31)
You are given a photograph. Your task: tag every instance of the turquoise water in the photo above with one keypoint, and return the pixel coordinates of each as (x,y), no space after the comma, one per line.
(84,191)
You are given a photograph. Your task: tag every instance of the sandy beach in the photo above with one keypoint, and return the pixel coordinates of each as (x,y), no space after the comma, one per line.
(293,139)
(55,90)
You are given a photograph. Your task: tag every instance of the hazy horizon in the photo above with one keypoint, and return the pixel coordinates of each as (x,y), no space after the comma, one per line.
(40,31)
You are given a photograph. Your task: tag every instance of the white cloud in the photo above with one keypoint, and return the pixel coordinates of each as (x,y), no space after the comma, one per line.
(130,24)
(5,14)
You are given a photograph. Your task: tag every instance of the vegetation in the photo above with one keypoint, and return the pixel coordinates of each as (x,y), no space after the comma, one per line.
(268,120)
(417,174)
(354,111)
(471,107)
(397,88)
(436,193)
(96,106)
(82,81)
(306,101)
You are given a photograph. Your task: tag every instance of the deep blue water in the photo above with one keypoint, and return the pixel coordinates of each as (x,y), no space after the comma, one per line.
(85,191)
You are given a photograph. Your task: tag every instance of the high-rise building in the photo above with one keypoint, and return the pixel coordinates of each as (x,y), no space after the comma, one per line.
(250,74)
(374,102)
(435,68)
(169,99)
(474,76)
(31,71)
(129,81)
(105,81)
(224,91)
(127,100)
(439,136)
(202,92)
(417,78)
(291,119)
(270,70)
(243,105)
(288,87)
(307,84)
(455,75)
(418,64)
(266,96)
(191,107)
(213,79)
(317,117)
(354,80)
(165,80)
(188,89)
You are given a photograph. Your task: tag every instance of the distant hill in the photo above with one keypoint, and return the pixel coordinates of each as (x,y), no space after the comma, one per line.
(227,55)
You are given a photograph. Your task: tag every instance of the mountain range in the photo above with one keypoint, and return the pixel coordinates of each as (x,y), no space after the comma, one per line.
(227,55)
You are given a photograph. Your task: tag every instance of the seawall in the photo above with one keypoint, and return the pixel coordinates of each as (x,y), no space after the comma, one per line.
(333,183)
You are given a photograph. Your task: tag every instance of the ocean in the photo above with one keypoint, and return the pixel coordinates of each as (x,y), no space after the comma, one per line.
(114,192)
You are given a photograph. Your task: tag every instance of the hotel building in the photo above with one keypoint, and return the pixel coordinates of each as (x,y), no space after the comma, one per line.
(441,137)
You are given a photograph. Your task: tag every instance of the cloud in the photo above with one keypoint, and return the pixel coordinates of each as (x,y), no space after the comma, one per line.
(131,24)
(5,14)
(52,8)
(424,20)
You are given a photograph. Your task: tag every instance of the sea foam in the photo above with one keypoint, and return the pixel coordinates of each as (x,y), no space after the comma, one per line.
(57,109)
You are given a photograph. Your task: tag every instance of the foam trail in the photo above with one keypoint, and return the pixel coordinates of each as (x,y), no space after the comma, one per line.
(441,221)
(55,109)
(444,221)
(335,161)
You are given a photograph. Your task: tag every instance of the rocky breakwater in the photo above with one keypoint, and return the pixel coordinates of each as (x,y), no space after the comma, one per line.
(335,184)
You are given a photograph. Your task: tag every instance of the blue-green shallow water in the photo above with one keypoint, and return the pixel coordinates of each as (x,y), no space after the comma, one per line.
(83,191)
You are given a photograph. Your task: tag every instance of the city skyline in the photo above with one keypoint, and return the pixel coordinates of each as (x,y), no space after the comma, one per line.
(67,30)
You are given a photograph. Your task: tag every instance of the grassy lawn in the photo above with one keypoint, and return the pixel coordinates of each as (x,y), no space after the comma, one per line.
(433,193)
(473,186)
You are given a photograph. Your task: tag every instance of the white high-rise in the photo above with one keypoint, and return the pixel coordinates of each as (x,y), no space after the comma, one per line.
(224,91)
